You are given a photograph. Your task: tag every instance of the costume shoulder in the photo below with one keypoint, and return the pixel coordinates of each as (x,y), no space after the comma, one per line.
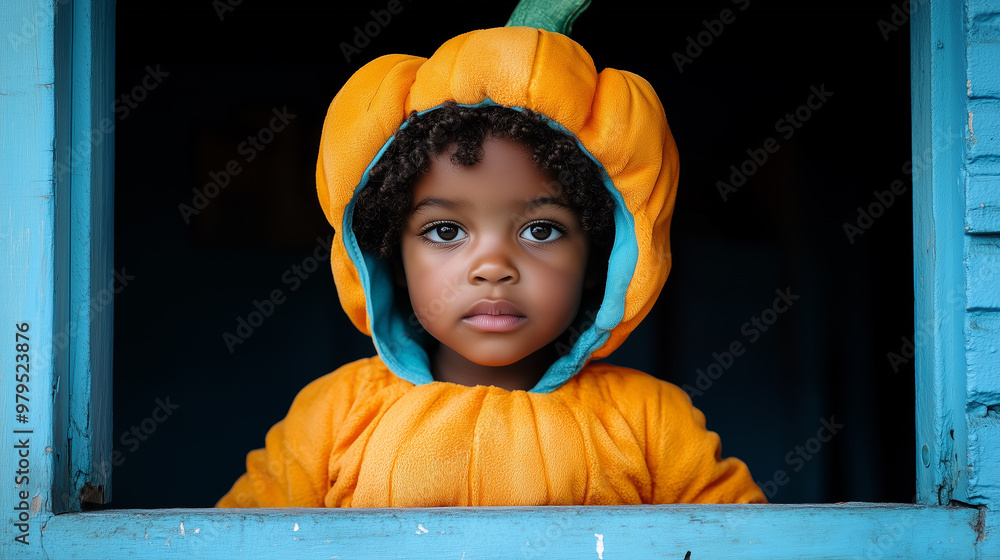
(684,458)
(291,470)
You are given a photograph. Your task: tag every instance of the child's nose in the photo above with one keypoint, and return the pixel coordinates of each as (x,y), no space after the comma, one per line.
(493,264)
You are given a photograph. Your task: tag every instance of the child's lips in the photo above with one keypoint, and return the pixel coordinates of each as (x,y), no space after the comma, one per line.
(494,316)
(495,323)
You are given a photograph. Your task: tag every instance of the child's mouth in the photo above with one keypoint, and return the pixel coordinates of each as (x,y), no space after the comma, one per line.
(494,316)
(495,323)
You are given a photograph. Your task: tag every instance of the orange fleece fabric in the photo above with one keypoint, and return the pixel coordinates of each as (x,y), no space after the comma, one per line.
(381,432)
(363,437)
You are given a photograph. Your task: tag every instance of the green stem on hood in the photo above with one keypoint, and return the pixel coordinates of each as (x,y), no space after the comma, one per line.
(551,15)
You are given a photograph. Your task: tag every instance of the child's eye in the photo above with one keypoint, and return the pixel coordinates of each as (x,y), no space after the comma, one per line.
(443,233)
(542,231)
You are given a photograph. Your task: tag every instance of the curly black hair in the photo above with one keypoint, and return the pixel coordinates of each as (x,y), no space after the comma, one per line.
(383,204)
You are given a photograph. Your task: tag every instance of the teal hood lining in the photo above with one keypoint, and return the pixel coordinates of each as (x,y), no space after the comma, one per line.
(399,339)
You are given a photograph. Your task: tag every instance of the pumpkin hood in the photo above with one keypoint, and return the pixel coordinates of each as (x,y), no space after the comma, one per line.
(614,115)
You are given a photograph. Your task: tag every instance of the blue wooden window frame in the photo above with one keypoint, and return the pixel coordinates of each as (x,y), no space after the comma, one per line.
(56,155)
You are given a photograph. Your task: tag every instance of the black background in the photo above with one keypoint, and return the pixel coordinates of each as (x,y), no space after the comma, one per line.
(827,357)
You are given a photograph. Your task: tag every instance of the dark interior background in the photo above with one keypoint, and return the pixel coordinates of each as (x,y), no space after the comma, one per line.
(837,355)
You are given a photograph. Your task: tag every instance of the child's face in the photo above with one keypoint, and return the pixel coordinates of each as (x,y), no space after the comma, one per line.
(494,260)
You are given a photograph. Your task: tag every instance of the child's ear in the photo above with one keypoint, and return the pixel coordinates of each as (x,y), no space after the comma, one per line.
(398,272)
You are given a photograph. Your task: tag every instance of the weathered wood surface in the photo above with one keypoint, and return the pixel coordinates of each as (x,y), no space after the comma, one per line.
(937,72)
(27,234)
(86,166)
(856,531)
(982,266)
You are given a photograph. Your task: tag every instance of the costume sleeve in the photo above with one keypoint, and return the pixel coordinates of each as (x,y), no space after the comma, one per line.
(292,469)
(684,458)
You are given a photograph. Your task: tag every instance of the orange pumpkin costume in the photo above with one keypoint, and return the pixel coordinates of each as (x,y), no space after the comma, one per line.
(381,432)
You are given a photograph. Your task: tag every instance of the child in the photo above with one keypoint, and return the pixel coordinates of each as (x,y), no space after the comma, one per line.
(510,231)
